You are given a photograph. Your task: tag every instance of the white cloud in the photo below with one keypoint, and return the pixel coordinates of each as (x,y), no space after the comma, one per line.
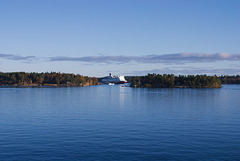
(178,58)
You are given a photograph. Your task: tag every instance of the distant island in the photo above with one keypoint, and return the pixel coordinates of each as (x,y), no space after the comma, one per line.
(226,79)
(171,81)
(53,79)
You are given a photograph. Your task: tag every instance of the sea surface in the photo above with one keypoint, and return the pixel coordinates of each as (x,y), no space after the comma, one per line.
(119,123)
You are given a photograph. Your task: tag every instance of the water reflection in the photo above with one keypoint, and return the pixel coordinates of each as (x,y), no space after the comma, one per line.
(122,95)
(112,122)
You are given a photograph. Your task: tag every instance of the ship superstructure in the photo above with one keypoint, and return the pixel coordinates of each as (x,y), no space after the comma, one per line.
(114,79)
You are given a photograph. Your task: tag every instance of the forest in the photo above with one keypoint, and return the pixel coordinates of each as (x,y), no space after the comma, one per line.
(46,79)
(171,81)
(234,79)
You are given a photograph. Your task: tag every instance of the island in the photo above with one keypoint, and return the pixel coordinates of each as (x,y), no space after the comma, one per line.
(230,79)
(172,81)
(53,79)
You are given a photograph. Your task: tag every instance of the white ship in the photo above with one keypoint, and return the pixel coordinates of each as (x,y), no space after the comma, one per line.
(114,79)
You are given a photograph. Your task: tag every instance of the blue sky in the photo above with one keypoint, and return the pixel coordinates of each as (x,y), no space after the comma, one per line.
(125,37)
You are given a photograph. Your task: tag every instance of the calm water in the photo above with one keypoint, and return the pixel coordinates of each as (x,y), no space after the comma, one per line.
(119,123)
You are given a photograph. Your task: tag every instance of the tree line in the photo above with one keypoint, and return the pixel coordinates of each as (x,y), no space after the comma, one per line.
(171,81)
(53,78)
(234,79)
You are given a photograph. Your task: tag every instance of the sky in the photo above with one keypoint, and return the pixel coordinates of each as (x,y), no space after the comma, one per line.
(124,37)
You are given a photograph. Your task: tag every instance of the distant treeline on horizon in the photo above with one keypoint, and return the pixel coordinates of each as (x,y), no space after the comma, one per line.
(53,78)
(234,79)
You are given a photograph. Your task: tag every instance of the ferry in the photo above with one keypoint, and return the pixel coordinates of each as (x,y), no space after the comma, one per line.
(114,79)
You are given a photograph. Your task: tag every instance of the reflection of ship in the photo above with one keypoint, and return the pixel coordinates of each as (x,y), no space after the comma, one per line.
(114,79)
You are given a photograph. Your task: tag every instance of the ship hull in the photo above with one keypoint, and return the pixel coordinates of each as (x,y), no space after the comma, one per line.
(115,82)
